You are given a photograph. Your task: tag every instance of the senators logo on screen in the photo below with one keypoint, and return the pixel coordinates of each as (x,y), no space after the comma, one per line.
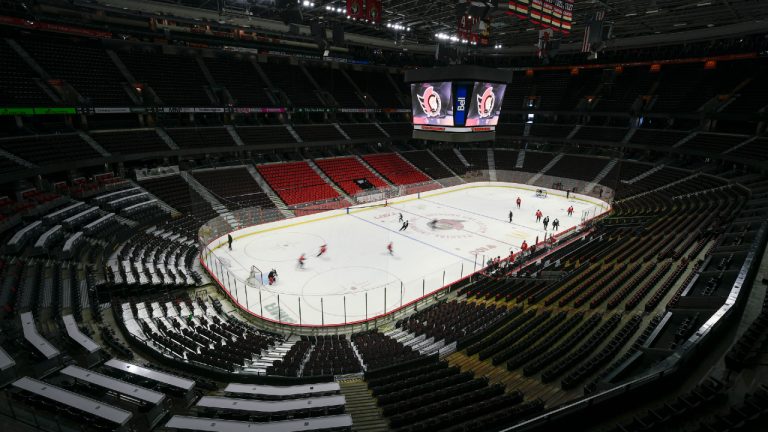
(485,103)
(430,102)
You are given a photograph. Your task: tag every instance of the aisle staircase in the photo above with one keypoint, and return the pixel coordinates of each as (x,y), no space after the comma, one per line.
(328,180)
(361,405)
(544,170)
(270,193)
(491,165)
(520,159)
(601,175)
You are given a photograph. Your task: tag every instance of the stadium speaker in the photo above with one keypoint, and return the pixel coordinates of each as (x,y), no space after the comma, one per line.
(338,34)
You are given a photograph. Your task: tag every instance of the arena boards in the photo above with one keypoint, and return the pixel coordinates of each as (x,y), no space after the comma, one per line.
(450,233)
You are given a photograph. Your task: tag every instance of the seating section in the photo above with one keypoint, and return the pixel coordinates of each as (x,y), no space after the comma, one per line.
(550,130)
(451,321)
(201,137)
(235,187)
(451,159)
(160,73)
(505,159)
(18,87)
(131,142)
(661,138)
(395,169)
(297,183)
(713,143)
(330,355)
(398,129)
(577,167)
(318,133)
(756,149)
(100,83)
(367,131)
(294,83)
(427,164)
(240,79)
(623,91)
(601,133)
(49,149)
(752,97)
(377,85)
(345,170)
(177,193)
(536,161)
(264,135)
(428,395)
(334,82)
(193,331)
(8,166)
(378,350)
(477,158)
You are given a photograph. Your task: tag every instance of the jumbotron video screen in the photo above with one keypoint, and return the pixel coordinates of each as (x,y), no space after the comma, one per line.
(457,106)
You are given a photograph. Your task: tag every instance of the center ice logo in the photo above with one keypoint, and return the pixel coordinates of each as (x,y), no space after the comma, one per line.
(430,102)
(485,103)
(449,224)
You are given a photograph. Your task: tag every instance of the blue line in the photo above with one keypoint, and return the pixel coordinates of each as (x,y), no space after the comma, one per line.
(414,239)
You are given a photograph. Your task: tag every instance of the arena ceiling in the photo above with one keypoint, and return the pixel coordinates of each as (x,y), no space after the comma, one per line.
(425,18)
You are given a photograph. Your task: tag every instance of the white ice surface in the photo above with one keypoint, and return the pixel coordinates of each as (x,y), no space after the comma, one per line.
(359,271)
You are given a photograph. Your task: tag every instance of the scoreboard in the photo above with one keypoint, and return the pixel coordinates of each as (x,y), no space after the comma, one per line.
(458,104)
(554,14)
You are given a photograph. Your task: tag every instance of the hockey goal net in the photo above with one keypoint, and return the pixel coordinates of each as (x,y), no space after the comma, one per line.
(256,277)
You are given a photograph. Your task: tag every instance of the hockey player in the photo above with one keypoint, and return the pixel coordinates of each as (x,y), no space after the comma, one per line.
(510,216)
(302,258)
(400,218)
(272,276)
(570,211)
(390,249)
(433,223)
(524,246)
(546,222)
(556,224)
(519,201)
(405,226)
(229,240)
(539,214)
(323,250)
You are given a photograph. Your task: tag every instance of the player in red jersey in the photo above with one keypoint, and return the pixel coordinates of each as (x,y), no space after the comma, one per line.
(570,211)
(519,201)
(524,246)
(323,250)
(302,258)
(389,248)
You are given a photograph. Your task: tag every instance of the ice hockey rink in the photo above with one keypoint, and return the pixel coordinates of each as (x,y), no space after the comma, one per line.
(357,279)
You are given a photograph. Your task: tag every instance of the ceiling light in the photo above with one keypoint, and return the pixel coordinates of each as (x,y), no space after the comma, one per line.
(651,11)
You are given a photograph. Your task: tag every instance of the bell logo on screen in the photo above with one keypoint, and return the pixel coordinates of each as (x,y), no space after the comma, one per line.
(485,103)
(430,102)
(461,104)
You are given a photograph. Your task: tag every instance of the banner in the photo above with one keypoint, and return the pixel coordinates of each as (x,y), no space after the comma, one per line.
(373,11)
(593,32)
(355,9)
